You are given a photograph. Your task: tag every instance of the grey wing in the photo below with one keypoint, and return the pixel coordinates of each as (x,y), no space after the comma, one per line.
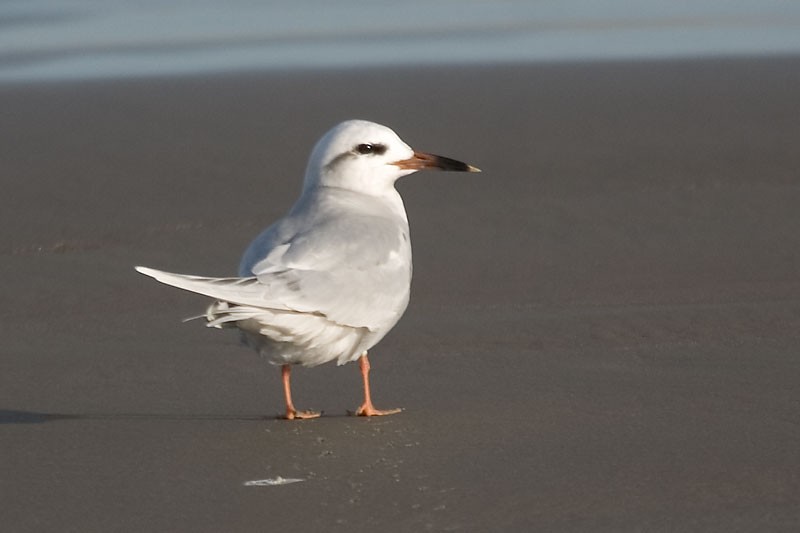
(355,271)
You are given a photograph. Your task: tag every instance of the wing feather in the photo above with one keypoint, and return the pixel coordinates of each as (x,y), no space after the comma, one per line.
(353,270)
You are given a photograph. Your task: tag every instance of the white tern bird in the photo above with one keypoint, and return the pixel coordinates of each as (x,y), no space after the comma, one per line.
(332,277)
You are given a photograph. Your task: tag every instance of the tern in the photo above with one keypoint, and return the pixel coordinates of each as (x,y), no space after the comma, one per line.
(332,277)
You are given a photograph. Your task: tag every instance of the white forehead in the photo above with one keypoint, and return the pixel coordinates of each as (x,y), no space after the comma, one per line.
(346,135)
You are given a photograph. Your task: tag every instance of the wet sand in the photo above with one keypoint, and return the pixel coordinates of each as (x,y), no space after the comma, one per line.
(604,331)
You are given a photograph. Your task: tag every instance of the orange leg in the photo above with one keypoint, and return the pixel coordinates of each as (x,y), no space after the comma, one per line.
(367,409)
(291,412)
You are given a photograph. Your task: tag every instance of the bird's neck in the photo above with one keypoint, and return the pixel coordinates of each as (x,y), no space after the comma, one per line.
(389,203)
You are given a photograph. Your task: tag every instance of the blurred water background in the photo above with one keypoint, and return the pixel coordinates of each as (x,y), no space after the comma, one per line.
(78,39)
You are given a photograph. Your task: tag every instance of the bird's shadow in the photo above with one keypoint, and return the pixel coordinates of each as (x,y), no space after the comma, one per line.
(11,416)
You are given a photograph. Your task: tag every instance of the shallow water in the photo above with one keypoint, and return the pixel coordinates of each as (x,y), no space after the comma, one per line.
(75,39)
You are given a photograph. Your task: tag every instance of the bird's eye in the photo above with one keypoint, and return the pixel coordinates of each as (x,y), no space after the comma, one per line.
(365,148)
(369,148)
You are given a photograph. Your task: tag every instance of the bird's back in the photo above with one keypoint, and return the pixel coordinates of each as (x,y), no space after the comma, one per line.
(336,274)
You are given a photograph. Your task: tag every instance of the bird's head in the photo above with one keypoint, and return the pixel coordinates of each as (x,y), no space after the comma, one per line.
(367,157)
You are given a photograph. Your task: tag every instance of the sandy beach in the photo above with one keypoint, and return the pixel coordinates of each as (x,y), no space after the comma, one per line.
(603,335)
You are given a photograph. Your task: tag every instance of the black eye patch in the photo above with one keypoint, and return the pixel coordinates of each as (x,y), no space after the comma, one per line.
(367,148)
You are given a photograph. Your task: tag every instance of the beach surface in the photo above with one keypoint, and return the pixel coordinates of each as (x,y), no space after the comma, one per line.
(603,335)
